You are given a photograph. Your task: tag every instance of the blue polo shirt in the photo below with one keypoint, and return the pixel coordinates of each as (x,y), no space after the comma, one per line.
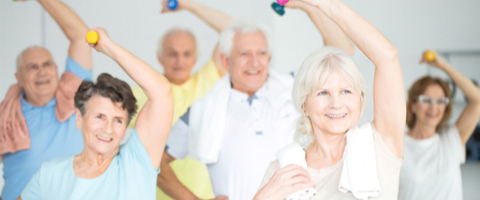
(49,139)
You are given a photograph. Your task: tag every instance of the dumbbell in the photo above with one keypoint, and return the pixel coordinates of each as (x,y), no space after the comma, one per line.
(172,4)
(430,56)
(279,9)
(92,37)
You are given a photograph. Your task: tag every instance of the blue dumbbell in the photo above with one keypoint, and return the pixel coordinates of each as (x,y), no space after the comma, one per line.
(172,4)
(279,9)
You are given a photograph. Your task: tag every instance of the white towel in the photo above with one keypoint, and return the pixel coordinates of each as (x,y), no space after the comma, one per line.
(294,154)
(207,115)
(359,173)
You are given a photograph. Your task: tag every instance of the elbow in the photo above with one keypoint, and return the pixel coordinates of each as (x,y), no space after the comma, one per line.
(392,54)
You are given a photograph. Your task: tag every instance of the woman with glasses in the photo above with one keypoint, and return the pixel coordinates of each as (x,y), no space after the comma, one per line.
(434,150)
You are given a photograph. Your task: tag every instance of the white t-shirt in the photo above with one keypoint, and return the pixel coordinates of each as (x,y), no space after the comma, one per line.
(254,132)
(431,169)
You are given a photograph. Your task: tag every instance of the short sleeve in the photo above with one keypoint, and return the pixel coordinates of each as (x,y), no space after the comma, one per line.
(78,70)
(133,149)
(450,138)
(272,168)
(177,143)
(33,189)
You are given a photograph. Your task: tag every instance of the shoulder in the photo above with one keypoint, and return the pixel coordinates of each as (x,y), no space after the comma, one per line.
(450,135)
(449,129)
(55,168)
(381,148)
(57,163)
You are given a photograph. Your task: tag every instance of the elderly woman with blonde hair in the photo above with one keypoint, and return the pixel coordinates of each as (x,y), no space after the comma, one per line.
(345,160)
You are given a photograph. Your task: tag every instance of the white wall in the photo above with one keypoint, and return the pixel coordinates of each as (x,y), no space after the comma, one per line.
(20,26)
(412,26)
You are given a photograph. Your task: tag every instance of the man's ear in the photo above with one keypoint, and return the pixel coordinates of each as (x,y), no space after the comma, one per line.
(160,60)
(224,60)
(17,76)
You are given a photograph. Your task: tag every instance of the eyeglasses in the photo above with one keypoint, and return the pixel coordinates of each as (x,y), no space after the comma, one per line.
(427,101)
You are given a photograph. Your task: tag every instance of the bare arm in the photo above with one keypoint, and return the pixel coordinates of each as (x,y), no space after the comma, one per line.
(388,88)
(468,120)
(169,183)
(155,119)
(74,28)
(214,18)
(332,34)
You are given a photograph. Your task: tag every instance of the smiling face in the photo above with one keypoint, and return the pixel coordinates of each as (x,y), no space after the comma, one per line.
(103,125)
(334,107)
(248,62)
(178,57)
(37,74)
(430,114)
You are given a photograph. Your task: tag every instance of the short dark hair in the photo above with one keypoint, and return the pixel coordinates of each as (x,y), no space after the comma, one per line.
(108,87)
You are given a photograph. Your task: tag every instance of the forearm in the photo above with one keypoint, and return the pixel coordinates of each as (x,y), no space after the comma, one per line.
(464,84)
(332,34)
(70,23)
(152,82)
(214,18)
(363,34)
(170,185)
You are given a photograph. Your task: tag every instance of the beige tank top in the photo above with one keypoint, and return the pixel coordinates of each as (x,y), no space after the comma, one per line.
(326,180)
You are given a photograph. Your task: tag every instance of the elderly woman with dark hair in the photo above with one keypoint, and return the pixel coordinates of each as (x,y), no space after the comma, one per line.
(106,170)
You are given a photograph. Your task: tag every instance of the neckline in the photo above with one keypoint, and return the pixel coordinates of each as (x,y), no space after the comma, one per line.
(26,105)
(426,140)
(92,179)
(327,169)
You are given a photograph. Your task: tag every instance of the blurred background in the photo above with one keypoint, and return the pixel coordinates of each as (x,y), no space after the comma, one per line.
(449,27)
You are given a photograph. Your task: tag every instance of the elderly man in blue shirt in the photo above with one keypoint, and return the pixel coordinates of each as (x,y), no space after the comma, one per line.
(37,115)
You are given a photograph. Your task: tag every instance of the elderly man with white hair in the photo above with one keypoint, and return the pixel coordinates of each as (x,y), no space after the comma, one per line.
(37,120)
(247,116)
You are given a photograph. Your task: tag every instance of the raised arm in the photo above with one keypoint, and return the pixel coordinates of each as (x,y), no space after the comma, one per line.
(468,120)
(388,88)
(74,29)
(214,18)
(155,119)
(332,34)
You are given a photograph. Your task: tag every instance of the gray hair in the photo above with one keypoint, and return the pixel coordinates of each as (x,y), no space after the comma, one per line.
(312,74)
(172,31)
(21,57)
(228,34)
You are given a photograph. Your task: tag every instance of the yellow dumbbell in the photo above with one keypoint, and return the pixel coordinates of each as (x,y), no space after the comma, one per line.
(430,56)
(92,37)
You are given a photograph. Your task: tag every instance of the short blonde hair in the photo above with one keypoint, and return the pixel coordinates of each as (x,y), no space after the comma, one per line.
(312,74)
